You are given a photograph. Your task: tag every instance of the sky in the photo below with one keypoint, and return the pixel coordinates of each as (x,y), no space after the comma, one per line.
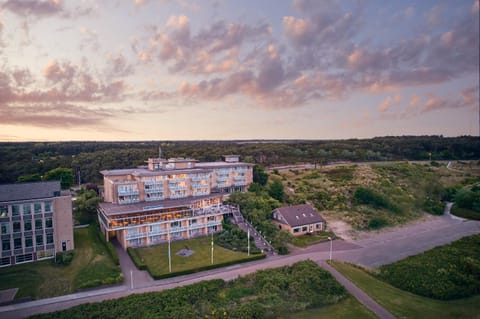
(250,69)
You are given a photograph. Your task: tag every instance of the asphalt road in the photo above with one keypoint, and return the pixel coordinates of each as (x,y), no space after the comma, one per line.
(377,250)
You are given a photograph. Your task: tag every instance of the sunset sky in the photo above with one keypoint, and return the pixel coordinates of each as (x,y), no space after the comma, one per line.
(213,69)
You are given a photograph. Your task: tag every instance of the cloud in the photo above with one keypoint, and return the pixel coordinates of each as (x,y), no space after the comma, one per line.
(118,66)
(409,12)
(38,8)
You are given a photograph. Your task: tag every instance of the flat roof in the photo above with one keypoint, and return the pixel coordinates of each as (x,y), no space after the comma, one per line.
(25,191)
(201,167)
(112,209)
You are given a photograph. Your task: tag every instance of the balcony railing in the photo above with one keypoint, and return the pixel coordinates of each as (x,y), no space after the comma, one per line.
(197,225)
(128,201)
(223,178)
(177,188)
(154,190)
(243,183)
(239,177)
(128,192)
(199,186)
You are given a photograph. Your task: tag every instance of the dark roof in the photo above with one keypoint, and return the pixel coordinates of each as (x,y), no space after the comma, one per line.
(299,215)
(25,191)
(111,209)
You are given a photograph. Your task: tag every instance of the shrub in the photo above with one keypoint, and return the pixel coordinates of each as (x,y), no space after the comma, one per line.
(447,272)
(64,258)
(376,223)
(365,196)
(283,250)
(139,263)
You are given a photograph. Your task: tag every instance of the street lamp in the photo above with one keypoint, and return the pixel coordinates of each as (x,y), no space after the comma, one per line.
(331,243)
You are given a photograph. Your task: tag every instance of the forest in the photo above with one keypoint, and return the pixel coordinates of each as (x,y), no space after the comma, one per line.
(86,159)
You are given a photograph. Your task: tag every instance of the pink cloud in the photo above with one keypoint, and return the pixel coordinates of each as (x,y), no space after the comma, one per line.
(39,8)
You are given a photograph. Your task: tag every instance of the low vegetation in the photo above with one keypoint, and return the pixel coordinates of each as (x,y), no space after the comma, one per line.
(372,196)
(154,259)
(447,272)
(264,294)
(235,239)
(91,265)
(403,304)
(305,240)
(467,201)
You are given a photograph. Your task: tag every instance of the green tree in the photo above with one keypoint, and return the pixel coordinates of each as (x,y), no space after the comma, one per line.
(64,175)
(276,190)
(29,178)
(259,175)
(86,206)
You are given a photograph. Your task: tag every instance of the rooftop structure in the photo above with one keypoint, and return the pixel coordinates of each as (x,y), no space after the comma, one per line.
(177,198)
(35,222)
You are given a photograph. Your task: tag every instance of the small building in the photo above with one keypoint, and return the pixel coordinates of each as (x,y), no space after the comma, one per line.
(298,220)
(35,222)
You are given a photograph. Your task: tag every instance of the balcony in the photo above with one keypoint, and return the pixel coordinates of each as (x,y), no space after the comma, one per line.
(128,200)
(123,192)
(150,183)
(214,223)
(243,183)
(199,178)
(222,178)
(181,195)
(199,186)
(239,178)
(153,190)
(197,225)
(136,235)
(177,188)
(178,229)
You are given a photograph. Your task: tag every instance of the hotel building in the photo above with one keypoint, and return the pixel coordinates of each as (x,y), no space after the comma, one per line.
(174,199)
(35,222)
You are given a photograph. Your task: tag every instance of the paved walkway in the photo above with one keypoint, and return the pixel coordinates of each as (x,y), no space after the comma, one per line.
(134,278)
(357,292)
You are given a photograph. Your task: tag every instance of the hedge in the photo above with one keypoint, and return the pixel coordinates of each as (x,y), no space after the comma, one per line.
(136,259)
(109,246)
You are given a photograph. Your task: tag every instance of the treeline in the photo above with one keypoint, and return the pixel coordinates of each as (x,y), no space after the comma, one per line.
(86,159)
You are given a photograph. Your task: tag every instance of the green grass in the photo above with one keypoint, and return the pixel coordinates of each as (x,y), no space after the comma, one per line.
(156,257)
(91,266)
(305,240)
(349,308)
(403,304)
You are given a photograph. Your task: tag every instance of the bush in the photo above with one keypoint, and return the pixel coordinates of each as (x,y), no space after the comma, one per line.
(283,250)
(365,196)
(447,272)
(64,258)
(376,223)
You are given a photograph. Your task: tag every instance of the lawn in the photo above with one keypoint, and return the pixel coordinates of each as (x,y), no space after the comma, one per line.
(156,257)
(349,308)
(305,240)
(403,304)
(91,266)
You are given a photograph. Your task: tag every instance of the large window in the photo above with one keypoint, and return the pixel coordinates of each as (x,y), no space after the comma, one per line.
(27,209)
(17,243)
(16,227)
(304,228)
(296,230)
(27,225)
(39,240)
(49,238)
(5,244)
(48,206)
(37,208)
(5,228)
(38,224)
(3,210)
(48,223)
(28,241)
(15,210)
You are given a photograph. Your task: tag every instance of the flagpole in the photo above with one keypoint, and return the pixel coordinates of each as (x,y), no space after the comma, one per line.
(169,254)
(248,240)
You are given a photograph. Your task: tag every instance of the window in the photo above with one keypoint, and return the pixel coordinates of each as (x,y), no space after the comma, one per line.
(16,227)
(296,230)
(6,244)
(23,258)
(319,226)
(38,224)
(48,206)
(27,209)
(37,207)
(175,224)
(27,225)
(48,223)
(3,210)
(39,240)
(15,210)
(193,221)
(5,227)
(304,228)
(49,238)
(28,241)
(17,243)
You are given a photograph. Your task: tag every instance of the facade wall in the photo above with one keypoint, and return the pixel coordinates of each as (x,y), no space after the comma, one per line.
(63,224)
(300,230)
(30,229)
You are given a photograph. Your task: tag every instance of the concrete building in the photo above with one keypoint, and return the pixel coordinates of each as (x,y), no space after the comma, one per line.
(178,198)
(35,222)
(298,220)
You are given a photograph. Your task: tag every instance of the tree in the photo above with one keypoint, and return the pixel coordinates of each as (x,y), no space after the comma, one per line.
(259,175)
(29,178)
(86,206)
(276,190)
(64,175)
